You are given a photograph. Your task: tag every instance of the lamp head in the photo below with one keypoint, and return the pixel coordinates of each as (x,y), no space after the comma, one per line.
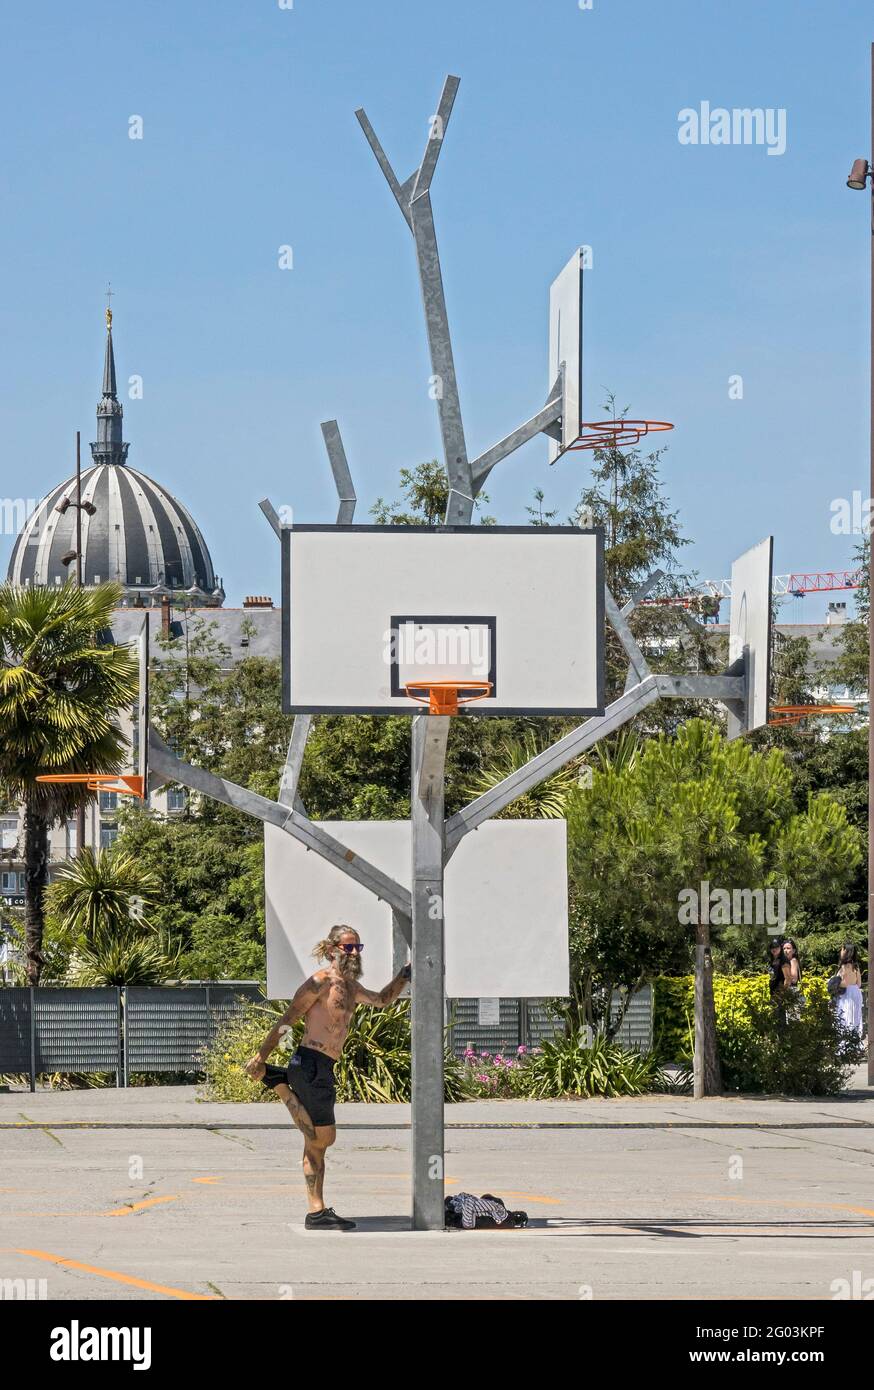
(859,174)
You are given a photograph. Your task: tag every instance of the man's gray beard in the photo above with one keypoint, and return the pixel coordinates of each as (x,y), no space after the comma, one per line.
(350,965)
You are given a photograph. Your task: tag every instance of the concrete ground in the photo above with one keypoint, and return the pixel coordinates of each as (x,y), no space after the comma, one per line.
(151,1193)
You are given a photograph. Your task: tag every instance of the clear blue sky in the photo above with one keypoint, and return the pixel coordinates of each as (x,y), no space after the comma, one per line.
(708,261)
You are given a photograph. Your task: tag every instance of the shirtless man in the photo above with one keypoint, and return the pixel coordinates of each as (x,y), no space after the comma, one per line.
(326,1000)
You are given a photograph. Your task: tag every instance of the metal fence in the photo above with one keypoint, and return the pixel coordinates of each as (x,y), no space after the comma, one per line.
(528,1022)
(135,1028)
(163,1028)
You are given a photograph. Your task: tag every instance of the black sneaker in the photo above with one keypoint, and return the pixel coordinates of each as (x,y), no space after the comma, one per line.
(327,1220)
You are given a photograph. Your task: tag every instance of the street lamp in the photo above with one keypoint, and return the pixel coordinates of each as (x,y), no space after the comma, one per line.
(859,174)
(858,179)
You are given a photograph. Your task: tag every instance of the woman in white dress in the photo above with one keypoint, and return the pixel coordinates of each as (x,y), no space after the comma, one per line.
(849,1002)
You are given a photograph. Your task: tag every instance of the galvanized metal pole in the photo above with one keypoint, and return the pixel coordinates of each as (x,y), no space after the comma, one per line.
(871,644)
(428,749)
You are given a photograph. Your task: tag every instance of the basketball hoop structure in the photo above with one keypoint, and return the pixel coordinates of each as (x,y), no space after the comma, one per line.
(122,783)
(614,434)
(444,697)
(794,714)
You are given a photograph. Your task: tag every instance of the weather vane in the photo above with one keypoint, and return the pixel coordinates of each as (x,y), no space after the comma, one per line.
(109,293)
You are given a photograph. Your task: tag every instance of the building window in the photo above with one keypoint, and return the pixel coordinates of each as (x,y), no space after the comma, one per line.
(109,801)
(11,881)
(108,834)
(177,799)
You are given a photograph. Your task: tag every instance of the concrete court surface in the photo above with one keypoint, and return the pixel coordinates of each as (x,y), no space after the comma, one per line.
(150,1193)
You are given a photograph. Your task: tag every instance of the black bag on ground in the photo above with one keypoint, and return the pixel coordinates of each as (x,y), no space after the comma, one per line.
(454,1214)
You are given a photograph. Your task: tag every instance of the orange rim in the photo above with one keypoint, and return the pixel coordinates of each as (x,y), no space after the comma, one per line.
(122,783)
(614,434)
(793,714)
(444,697)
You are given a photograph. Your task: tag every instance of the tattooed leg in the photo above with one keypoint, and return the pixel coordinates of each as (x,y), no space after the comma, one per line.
(297,1111)
(314,1175)
(314,1165)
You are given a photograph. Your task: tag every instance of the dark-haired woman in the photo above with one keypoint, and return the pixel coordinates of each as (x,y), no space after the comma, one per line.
(791,992)
(849,1002)
(775,967)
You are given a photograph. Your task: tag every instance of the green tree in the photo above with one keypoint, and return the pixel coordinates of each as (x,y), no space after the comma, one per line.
(642,533)
(99,912)
(425,490)
(687,810)
(61,691)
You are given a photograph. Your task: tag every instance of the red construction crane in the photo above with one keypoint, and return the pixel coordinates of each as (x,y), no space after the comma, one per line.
(706,601)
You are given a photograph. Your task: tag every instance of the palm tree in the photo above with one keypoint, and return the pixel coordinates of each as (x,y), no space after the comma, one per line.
(98,908)
(546,801)
(61,687)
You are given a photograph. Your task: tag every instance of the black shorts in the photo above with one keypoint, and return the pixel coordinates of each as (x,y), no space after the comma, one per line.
(310,1075)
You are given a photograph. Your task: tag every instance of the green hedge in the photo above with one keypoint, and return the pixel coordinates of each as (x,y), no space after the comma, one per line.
(762,1048)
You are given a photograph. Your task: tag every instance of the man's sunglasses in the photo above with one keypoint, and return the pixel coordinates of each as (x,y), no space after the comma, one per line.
(350,946)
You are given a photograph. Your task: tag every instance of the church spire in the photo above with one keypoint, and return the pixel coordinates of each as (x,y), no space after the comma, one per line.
(109,446)
(109,360)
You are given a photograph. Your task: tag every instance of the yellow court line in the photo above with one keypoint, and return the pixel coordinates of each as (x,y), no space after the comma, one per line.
(532,1197)
(207,1179)
(139,1206)
(803,1206)
(118,1278)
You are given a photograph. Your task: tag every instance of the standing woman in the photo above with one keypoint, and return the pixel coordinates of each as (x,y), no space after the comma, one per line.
(775,967)
(849,1002)
(791,976)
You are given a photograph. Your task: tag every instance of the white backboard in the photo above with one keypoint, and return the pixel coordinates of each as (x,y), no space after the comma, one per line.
(505,907)
(566,348)
(366,608)
(749,632)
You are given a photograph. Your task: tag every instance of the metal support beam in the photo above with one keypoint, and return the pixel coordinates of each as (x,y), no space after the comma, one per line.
(482,466)
(291,821)
(639,663)
(414,200)
(721,688)
(428,752)
(272,516)
(646,588)
(442,363)
(550,761)
(340,470)
(300,731)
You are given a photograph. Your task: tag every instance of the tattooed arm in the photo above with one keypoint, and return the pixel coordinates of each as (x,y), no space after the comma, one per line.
(382,998)
(300,1005)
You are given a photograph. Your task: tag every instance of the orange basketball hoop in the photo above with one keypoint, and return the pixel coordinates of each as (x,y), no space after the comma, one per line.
(793,714)
(615,434)
(122,783)
(444,697)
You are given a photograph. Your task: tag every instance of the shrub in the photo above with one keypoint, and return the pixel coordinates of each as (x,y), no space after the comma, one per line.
(374,1065)
(762,1048)
(568,1067)
(498,1076)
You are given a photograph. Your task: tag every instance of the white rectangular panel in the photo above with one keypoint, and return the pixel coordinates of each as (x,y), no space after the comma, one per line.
(533,595)
(749,630)
(506,907)
(566,347)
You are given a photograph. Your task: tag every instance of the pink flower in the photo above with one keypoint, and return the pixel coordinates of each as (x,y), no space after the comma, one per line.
(469,1052)
(485,1054)
(481,1076)
(521,1050)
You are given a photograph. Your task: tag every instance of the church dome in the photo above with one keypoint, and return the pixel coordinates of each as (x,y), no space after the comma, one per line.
(134,532)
